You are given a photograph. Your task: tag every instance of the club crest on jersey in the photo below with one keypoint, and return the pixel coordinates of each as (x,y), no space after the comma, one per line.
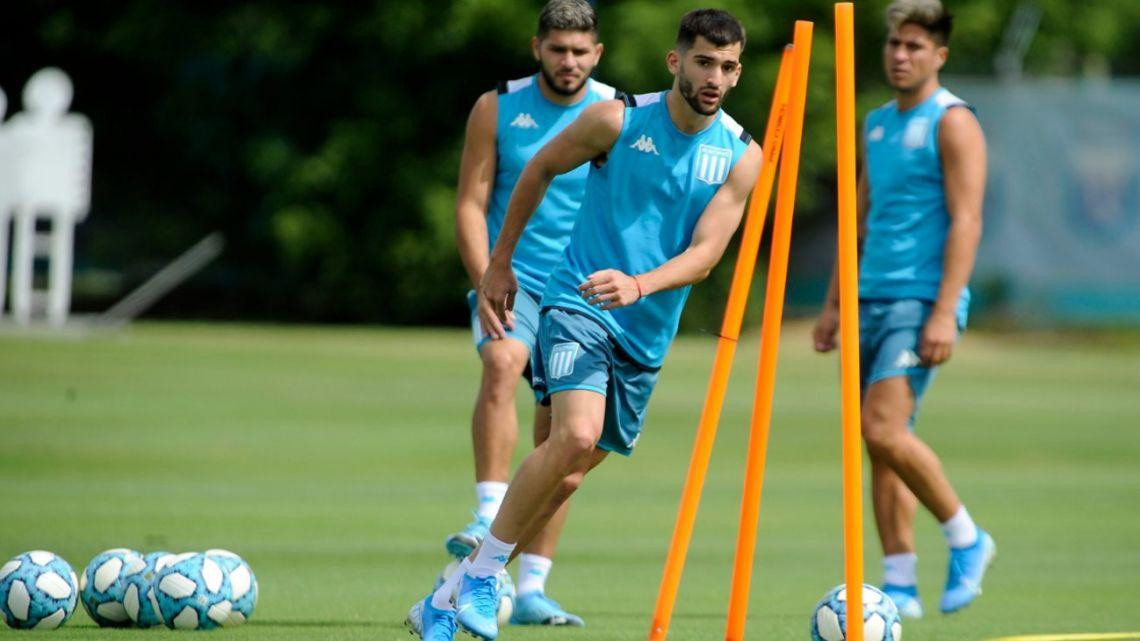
(915,134)
(562,357)
(711,164)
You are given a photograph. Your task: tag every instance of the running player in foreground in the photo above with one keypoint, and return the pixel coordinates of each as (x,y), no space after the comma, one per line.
(505,129)
(921,195)
(666,192)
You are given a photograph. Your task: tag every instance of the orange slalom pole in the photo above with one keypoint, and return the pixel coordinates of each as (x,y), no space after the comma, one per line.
(770,336)
(725,351)
(849,316)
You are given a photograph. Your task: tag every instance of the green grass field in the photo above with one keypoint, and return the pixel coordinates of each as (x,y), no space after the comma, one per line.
(335,461)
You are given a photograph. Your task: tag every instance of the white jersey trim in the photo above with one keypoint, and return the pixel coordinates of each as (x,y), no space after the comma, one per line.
(947,99)
(731,124)
(520,83)
(603,90)
(643,99)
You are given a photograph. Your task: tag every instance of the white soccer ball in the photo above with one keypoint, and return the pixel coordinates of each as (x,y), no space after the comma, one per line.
(192,593)
(506,590)
(242,585)
(880,617)
(101,587)
(138,597)
(37,590)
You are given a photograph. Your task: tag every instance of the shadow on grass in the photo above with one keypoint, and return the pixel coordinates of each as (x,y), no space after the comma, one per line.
(271,623)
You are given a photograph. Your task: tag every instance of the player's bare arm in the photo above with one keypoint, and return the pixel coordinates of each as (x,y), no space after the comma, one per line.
(590,136)
(476,181)
(610,288)
(963,149)
(827,325)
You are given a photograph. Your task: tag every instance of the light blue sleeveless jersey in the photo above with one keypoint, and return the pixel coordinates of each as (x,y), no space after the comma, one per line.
(640,209)
(908,221)
(527,121)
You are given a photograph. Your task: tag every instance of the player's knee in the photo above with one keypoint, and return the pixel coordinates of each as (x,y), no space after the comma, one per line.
(882,439)
(501,360)
(574,445)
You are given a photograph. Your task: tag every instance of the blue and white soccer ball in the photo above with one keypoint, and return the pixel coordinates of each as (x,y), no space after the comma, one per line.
(101,587)
(138,597)
(37,590)
(506,590)
(242,584)
(880,617)
(192,593)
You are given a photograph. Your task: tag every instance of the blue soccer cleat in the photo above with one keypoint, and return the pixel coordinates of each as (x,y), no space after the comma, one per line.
(477,608)
(430,624)
(906,600)
(967,568)
(535,608)
(463,543)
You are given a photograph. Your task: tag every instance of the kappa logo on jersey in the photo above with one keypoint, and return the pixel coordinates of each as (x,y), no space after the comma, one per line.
(876,134)
(562,358)
(645,143)
(711,164)
(524,121)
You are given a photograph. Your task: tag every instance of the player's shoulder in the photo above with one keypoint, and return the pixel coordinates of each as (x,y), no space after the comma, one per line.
(636,100)
(735,128)
(878,112)
(508,87)
(946,99)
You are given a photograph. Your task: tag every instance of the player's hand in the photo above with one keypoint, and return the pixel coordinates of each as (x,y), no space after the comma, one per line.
(496,300)
(938,337)
(826,327)
(610,289)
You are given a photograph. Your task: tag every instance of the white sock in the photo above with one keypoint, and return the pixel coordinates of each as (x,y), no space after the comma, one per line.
(441,599)
(533,570)
(488,497)
(493,556)
(899,569)
(960,531)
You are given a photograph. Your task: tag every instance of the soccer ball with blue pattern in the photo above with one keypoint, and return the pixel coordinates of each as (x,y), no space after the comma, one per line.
(506,588)
(192,593)
(101,587)
(880,617)
(242,584)
(37,590)
(138,597)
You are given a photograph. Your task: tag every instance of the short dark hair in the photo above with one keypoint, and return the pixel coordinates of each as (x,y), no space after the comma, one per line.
(718,27)
(567,15)
(927,14)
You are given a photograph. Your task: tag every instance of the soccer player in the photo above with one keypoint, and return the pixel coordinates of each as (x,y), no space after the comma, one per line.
(921,195)
(667,187)
(505,129)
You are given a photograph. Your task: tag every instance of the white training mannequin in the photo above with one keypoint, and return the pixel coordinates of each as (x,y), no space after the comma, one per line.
(53,181)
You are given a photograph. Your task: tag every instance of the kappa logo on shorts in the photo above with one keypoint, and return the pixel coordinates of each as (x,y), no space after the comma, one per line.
(561,362)
(907,359)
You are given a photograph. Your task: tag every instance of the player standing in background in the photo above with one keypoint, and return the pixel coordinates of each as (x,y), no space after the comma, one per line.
(666,191)
(505,129)
(921,195)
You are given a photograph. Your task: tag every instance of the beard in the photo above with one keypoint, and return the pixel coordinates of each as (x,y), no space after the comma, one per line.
(552,82)
(691,97)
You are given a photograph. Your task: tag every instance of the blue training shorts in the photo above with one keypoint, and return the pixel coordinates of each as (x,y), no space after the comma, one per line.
(576,353)
(890,336)
(525,331)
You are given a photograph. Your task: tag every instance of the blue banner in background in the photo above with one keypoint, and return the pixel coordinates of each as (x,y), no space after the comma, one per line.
(1062,216)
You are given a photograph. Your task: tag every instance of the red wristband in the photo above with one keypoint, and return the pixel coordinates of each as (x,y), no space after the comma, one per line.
(638,283)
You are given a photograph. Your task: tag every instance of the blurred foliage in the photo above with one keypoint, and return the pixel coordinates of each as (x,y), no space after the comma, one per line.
(323,138)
